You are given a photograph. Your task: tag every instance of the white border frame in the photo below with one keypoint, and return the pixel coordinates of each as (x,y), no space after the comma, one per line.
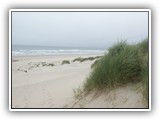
(62,109)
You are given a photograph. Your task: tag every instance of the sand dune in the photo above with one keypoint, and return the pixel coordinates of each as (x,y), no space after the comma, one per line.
(128,96)
(38,86)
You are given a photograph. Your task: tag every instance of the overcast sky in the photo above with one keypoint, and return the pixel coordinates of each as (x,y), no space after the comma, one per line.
(78,29)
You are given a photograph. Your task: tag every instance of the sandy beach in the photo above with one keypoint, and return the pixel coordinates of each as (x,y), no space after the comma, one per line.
(46,86)
(36,83)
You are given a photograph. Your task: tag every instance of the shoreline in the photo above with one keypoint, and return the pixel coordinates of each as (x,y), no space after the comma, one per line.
(57,55)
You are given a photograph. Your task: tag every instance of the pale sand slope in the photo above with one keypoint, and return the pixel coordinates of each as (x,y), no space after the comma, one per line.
(128,96)
(37,86)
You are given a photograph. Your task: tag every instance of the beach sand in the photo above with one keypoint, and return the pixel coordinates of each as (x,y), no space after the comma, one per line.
(36,85)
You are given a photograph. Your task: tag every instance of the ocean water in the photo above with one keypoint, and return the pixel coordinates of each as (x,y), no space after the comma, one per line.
(21,50)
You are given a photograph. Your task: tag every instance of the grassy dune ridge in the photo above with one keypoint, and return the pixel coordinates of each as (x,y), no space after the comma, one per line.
(79,59)
(123,63)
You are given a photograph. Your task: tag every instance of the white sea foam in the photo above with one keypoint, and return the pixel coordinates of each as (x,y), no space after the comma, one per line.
(51,51)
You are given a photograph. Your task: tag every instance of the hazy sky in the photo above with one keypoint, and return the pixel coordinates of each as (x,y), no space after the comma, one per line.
(78,29)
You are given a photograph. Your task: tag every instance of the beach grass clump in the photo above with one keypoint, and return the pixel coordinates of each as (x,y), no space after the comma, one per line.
(65,62)
(97,57)
(96,61)
(43,63)
(117,48)
(85,59)
(145,80)
(122,64)
(77,59)
(89,58)
(50,64)
(47,64)
(95,64)
(37,65)
(143,46)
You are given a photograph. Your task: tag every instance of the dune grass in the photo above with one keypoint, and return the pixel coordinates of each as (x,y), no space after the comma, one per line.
(65,62)
(79,59)
(51,64)
(85,59)
(123,63)
(95,63)
(145,82)
(143,53)
(47,64)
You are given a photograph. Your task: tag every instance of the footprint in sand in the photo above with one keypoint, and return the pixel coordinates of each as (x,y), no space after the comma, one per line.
(43,102)
(50,99)
(27,96)
(47,99)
